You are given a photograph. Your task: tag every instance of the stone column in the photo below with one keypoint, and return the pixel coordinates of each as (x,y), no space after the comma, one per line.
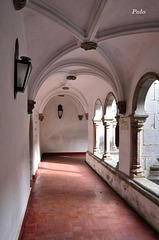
(114,123)
(31,104)
(96,124)
(106,155)
(137,123)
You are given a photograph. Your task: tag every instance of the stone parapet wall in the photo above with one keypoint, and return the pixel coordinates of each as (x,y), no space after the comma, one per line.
(141,194)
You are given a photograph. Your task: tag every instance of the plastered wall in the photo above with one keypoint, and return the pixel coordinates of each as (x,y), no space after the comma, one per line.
(14,131)
(68,134)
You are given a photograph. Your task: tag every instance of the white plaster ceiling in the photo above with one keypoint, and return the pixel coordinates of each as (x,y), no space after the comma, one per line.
(55,29)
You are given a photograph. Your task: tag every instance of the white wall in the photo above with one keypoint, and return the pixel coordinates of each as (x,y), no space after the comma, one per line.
(14,147)
(35,153)
(67,134)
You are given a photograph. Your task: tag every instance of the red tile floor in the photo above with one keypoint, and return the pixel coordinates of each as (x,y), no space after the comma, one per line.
(69,201)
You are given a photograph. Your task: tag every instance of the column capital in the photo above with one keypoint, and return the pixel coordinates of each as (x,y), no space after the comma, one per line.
(137,121)
(122,107)
(114,122)
(31,104)
(107,122)
(96,122)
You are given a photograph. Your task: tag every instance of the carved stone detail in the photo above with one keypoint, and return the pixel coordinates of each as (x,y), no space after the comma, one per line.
(71,77)
(137,171)
(86,115)
(137,123)
(96,124)
(80,117)
(122,107)
(19,4)
(89,46)
(106,155)
(31,104)
(41,117)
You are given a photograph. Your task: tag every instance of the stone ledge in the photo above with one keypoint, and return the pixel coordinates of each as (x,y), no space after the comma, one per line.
(148,185)
(142,185)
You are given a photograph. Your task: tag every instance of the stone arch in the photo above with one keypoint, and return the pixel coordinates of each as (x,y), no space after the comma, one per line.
(98,129)
(138,119)
(109,102)
(111,129)
(98,109)
(141,91)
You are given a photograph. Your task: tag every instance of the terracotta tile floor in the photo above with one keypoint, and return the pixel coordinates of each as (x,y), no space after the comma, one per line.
(70,202)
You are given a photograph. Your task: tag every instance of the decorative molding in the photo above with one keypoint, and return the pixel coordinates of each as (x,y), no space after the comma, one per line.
(86,115)
(105,52)
(89,46)
(71,77)
(122,107)
(77,98)
(19,4)
(31,104)
(53,13)
(65,88)
(95,18)
(137,123)
(61,95)
(42,75)
(94,69)
(80,117)
(41,117)
(127,30)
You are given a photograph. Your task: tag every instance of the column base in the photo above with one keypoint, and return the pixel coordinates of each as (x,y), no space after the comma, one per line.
(137,172)
(117,165)
(106,156)
(114,148)
(96,150)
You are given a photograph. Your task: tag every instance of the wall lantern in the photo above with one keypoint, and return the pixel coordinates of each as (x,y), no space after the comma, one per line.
(60,111)
(22,70)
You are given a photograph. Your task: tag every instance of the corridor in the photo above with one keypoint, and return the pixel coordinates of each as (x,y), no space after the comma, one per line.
(71,202)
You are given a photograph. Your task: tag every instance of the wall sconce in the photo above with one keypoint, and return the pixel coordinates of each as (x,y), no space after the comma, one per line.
(22,70)
(60,111)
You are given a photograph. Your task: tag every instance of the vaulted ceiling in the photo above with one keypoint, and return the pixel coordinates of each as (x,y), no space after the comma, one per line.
(55,30)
